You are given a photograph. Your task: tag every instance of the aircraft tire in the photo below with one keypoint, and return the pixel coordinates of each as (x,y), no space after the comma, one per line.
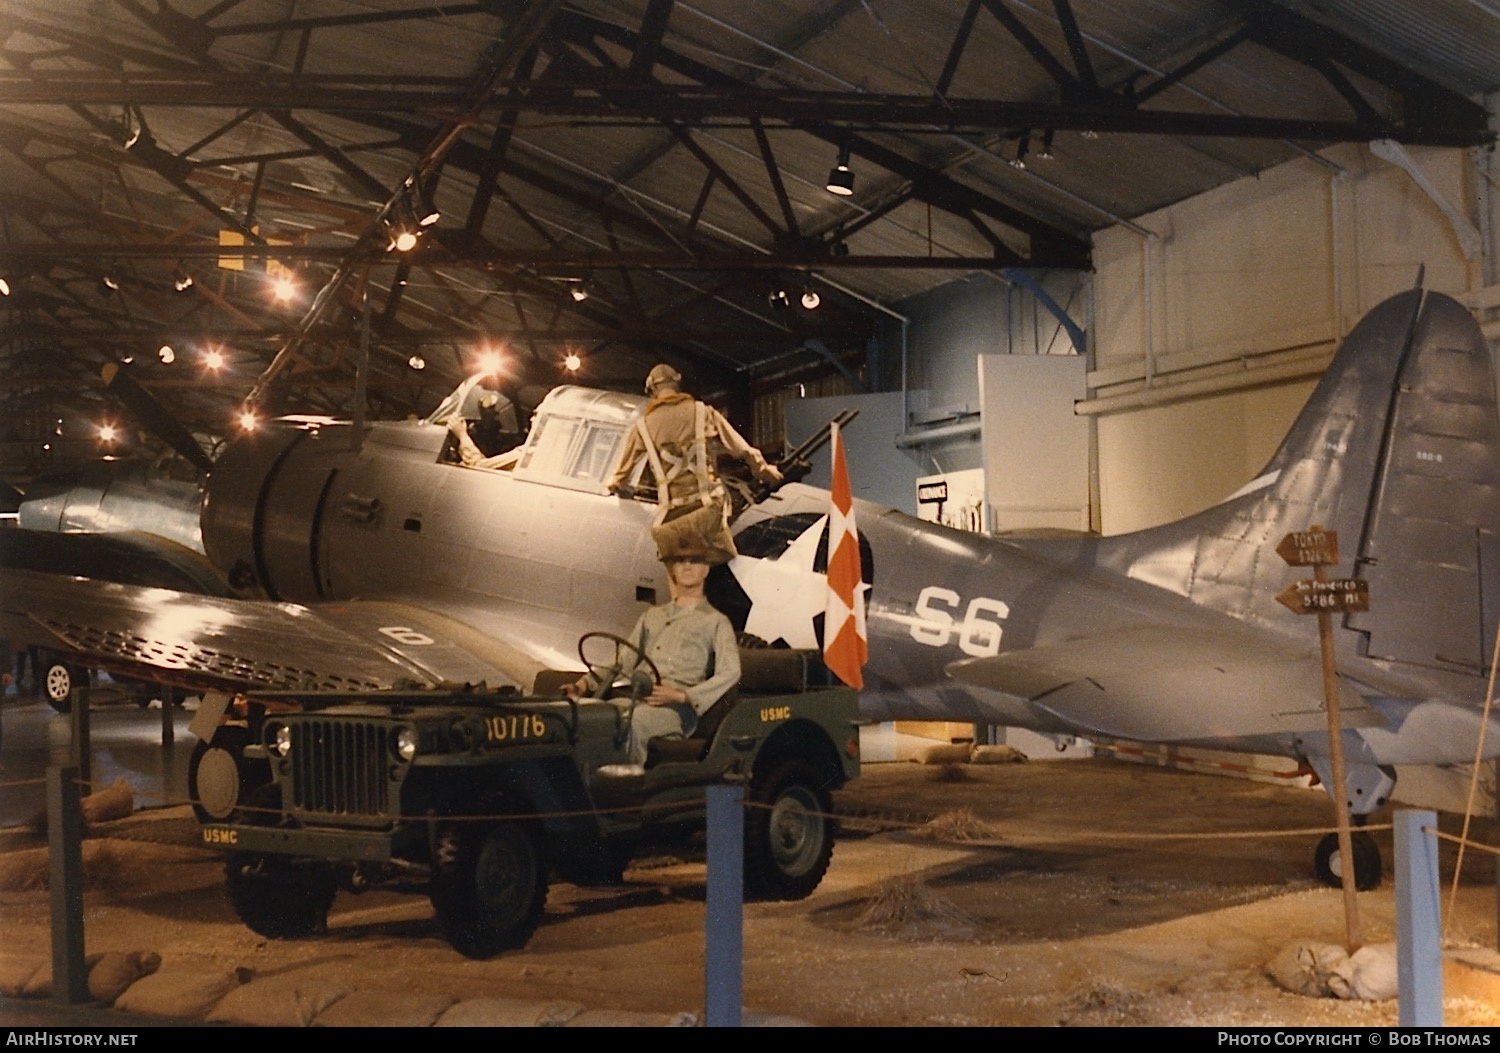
(789,834)
(219,776)
(279,899)
(1367,864)
(489,887)
(58,681)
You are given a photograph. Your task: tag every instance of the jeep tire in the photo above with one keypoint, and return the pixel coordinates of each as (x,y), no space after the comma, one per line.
(278,898)
(489,886)
(789,832)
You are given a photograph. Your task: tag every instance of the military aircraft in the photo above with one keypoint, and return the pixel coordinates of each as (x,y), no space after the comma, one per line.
(386,564)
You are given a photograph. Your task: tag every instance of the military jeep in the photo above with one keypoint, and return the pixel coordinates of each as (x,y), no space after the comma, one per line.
(481,797)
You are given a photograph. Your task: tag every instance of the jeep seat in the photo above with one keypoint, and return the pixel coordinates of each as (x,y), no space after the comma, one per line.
(763,671)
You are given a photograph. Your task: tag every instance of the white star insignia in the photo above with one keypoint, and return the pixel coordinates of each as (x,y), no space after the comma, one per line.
(785,593)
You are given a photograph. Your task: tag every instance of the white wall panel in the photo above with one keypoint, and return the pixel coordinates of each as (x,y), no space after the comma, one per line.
(1289,259)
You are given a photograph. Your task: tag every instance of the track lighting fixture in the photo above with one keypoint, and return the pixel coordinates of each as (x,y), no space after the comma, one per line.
(417,363)
(1022,146)
(840,177)
(182,281)
(165,355)
(779,299)
(108,286)
(4,287)
(810,299)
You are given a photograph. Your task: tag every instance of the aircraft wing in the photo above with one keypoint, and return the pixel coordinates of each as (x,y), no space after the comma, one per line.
(1170,683)
(201,641)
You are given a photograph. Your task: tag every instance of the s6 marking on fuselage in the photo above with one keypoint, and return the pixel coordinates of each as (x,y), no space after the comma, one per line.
(978,632)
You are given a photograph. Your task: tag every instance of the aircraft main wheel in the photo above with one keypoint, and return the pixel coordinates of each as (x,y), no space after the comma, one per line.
(219,776)
(1367,865)
(278,898)
(489,887)
(58,681)
(789,836)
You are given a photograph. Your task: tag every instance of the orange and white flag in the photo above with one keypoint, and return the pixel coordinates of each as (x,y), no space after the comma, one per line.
(845,642)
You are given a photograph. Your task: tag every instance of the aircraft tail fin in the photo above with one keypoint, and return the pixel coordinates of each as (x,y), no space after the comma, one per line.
(1398,450)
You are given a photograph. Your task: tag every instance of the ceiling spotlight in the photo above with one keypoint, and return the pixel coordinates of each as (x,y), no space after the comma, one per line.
(108,286)
(426,212)
(1046,151)
(811,299)
(489,362)
(1019,161)
(108,434)
(248,421)
(416,200)
(284,289)
(166,355)
(4,287)
(579,291)
(417,362)
(402,240)
(213,359)
(779,299)
(840,178)
(133,128)
(571,362)
(182,281)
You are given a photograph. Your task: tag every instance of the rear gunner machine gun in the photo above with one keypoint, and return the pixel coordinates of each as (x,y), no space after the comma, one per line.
(796,463)
(481,798)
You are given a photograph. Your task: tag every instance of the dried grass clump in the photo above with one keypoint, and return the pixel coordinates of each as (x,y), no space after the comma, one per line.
(904,906)
(960,825)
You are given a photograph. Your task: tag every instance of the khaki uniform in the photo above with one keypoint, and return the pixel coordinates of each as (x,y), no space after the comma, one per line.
(671,424)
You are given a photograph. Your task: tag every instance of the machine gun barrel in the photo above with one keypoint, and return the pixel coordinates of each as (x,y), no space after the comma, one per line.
(795,464)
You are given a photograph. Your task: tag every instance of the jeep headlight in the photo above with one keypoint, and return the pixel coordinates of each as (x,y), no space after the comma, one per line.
(405,743)
(281,740)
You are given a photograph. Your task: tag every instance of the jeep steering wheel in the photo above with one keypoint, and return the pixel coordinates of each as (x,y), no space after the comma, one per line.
(607,674)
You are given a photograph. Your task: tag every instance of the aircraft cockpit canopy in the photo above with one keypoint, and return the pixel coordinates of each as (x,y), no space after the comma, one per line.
(577,435)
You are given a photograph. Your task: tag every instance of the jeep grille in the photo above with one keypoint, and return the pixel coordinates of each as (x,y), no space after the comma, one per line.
(340,767)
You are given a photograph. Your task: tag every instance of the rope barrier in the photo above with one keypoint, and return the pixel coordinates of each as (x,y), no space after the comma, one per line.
(1462,841)
(990,834)
(1484,723)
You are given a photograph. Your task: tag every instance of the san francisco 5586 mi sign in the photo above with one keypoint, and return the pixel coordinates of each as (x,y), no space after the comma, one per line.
(1334,596)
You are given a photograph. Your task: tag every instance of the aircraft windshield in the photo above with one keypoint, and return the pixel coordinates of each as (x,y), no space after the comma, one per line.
(576,437)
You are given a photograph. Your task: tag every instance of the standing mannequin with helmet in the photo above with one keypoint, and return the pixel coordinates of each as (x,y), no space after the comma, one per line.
(677,440)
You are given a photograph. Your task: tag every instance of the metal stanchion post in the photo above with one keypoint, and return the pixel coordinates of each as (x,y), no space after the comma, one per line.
(70,982)
(1419,952)
(724,945)
(168,702)
(78,712)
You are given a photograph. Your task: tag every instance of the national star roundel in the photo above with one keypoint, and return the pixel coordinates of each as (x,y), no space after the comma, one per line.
(776,589)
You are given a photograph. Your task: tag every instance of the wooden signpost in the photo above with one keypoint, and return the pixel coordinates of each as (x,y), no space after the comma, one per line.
(1320,595)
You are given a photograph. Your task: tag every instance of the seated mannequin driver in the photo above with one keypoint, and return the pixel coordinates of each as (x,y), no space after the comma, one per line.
(694,648)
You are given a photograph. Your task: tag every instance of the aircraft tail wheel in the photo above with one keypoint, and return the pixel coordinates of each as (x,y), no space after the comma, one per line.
(58,681)
(1367,865)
